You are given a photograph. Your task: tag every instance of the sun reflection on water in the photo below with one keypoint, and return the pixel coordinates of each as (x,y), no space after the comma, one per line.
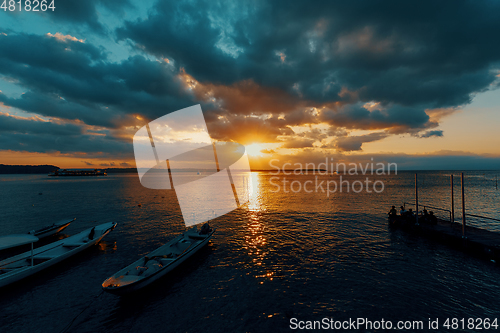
(255,202)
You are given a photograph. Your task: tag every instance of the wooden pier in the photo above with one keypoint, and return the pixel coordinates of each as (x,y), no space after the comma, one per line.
(479,242)
(470,239)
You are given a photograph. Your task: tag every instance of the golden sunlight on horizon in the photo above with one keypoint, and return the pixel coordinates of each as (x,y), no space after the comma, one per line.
(254,149)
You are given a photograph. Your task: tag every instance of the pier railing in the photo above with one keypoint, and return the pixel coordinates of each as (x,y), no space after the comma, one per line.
(449,213)
(434,208)
(482,222)
(483,217)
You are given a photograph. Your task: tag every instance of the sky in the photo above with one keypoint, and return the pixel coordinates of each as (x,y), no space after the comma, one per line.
(408,82)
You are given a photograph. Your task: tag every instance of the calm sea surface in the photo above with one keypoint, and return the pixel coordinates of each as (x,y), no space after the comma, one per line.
(283,255)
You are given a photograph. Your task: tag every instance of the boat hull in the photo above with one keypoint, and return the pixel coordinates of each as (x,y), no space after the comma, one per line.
(52,230)
(71,245)
(133,287)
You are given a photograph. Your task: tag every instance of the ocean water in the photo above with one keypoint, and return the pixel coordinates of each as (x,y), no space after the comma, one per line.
(280,256)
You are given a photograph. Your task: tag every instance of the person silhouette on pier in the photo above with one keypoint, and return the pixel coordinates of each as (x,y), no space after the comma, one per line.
(425,216)
(432,218)
(393,212)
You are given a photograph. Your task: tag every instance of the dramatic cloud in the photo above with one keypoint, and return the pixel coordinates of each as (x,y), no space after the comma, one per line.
(34,126)
(246,130)
(77,83)
(298,143)
(358,117)
(301,75)
(258,58)
(351,143)
(428,134)
(64,38)
(384,52)
(85,144)
(36,135)
(87,12)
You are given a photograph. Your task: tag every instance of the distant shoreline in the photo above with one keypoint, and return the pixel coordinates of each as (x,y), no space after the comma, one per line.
(46,169)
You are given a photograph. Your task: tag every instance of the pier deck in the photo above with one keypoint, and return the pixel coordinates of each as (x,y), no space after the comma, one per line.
(477,241)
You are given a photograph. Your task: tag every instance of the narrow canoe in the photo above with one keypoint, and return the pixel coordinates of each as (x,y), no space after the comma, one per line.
(51,229)
(23,265)
(16,240)
(157,263)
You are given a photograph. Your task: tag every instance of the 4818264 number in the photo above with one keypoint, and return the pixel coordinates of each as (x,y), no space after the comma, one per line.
(471,323)
(28,5)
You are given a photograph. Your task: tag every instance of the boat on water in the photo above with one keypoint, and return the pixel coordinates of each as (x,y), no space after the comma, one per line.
(159,262)
(26,264)
(77,173)
(16,240)
(52,229)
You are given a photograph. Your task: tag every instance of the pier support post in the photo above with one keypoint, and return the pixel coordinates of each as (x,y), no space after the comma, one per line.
(463,207)
(416,199)
(452,202)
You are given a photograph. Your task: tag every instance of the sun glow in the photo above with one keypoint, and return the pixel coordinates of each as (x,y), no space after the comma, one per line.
(254,149)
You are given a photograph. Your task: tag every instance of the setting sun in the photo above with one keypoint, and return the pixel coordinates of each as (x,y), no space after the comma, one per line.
(254,149)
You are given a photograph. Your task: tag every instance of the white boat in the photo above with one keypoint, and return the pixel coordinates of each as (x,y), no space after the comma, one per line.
(51,229)
(23,265)
(157,263)
(15,240)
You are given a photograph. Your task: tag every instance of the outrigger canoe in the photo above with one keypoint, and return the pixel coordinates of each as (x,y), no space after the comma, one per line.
(23,265)
(157,263)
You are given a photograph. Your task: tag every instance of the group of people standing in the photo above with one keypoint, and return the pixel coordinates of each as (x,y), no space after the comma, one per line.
(409,215)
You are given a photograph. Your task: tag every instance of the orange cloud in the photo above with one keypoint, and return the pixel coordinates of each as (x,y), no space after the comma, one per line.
(244,97)
(64,38)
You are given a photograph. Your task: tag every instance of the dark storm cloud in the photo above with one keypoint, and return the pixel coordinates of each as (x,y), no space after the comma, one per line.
(358,117)
(35,135)
(183,31)
(289,63)
(47,52)
(410,58)
(427,54)
(17,125)
(352,143)
(86,12)
(90,145)
(52,105)
(71,80)
(429,134)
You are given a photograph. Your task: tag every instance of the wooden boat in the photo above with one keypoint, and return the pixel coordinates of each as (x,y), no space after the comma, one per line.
(23,265)
(157,263)
(51,229)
